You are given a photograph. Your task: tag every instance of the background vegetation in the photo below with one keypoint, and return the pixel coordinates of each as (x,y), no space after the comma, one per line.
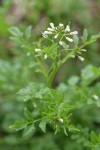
(17,70)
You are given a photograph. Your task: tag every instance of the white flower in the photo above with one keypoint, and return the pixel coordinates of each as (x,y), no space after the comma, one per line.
(44,35)
(61,25)
(81,58)
(47,32)
(52,25)
(61,120)
(45,56)
(95,97)
(55,37)
(67,28)
(50,29)
(73,33)
(37,50)
(69,39)
(60,42)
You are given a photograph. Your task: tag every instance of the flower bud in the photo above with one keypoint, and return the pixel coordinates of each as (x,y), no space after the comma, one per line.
(60,42)
(81,58)
(45,56)
(55,37)
(73,33)
(67,28)
(61,120)
(61,25)
(69,39)
(52,25)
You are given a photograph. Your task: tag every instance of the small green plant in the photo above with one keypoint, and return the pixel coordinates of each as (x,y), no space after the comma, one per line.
(52,106)
(94,144)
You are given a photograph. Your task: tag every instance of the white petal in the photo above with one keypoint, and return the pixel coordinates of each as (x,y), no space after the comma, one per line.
(55,37)
(52,25)
(69,39)
(73,33)
(67,28)
(45,56)
(60,42)
(81,58)
(44,35)
(50,29)
(61,25)
(47,32)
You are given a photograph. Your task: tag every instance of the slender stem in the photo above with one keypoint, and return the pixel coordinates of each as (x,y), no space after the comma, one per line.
(57,66)
(52,75)
(42,67)
(50,80)
(87,43)
(67,57)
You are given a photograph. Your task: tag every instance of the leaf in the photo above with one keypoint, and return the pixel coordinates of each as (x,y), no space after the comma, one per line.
(28,129)
(38,95)
(20,124)
(30,91)
(65,45)
(41,93)
(93,137)
(73,80)
(15,32)
(57,129)
(42,125)
(85,35)
(28,32)
(28,114)
(95,36)
(53,50)
(72,128)
(75,39)
(65,131)
(89,74)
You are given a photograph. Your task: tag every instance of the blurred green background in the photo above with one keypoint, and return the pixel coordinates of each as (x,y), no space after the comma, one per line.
(16,67)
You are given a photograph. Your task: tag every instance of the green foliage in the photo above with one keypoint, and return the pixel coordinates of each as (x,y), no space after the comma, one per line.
(54,107)
(57,96)
(85,36)
(42,125)
(56,49)
(48,101)
(95,141)
(15,32)
(90,74)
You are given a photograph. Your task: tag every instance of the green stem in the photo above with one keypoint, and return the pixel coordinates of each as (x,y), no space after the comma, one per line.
(57,66)
(43,69)
(67,57)
(50,80)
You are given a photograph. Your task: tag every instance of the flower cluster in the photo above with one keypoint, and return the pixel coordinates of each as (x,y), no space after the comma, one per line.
(60,29)
(59,34)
